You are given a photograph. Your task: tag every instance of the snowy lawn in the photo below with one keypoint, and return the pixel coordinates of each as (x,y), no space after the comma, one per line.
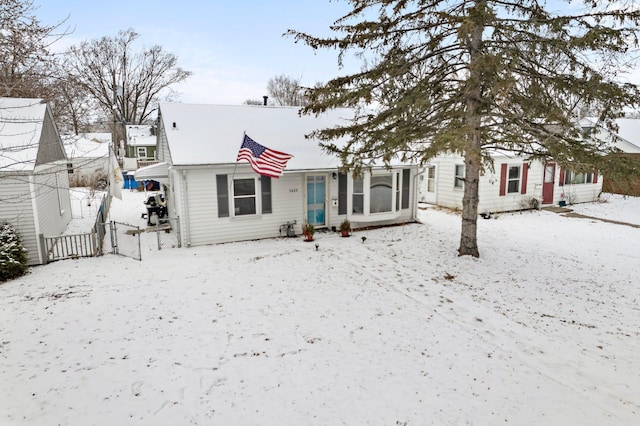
(542,329)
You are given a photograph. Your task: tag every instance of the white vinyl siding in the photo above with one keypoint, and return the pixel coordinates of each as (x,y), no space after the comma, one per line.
(206,228)
(19,212)
(51,189)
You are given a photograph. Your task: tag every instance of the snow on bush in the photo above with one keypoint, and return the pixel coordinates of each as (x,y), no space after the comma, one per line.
(13,256)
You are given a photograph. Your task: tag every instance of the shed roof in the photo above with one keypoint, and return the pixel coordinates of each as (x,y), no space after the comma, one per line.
(212,134)
(629,130)
(88,145)
(21,122)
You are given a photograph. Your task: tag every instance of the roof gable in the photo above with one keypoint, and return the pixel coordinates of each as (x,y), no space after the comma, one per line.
(212,134)
(28,136)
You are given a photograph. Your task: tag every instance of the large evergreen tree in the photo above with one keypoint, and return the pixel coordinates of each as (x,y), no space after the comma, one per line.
(470,77)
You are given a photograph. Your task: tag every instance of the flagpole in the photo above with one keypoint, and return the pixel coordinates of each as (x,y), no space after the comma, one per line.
(236,165)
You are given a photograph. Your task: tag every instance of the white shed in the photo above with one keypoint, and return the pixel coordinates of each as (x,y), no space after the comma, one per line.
(34,194)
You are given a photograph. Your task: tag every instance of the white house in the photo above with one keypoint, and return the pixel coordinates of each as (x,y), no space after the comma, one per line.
(88,157)
(34,189)
(514,184)
(218,199)
(626,139)
(141,145)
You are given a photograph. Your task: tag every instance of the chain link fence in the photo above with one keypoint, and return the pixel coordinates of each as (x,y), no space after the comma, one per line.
(168,233)
(122,238)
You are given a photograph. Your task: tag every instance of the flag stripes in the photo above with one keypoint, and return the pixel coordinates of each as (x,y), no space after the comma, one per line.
(263,160)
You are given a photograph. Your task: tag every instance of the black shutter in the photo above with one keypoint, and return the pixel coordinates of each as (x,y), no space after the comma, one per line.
(265,188)
(342,193)
(223,195)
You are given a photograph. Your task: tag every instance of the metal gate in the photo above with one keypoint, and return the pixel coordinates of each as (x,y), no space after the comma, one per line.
(122,239)
(168,233)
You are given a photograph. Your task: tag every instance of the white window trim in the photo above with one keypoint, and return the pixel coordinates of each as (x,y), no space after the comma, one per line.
(257,195)
(519,179)
(367,216)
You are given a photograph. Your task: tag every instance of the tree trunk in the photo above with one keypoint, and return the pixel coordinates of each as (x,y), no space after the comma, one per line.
(473,150)
(469,235)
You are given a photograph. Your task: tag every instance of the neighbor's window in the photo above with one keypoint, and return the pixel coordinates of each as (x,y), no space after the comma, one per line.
(513,180)
(431,179)
(142,152)
(223,195)
(381,192)
(459,177)
(244,197)
(573,178)
(358,195)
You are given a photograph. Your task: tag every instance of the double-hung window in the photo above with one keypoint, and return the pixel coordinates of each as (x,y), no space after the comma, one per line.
(244,197)
(513,180)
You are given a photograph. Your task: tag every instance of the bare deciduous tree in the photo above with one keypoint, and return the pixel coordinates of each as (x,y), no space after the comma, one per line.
(286,91)
(126,83)
(26,64)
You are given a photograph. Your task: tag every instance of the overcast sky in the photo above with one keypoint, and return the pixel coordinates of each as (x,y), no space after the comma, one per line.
(232,47)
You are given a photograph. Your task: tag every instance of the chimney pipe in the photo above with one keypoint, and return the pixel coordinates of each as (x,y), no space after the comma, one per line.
(265,100)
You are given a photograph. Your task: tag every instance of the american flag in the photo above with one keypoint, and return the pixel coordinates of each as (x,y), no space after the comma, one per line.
(264,161)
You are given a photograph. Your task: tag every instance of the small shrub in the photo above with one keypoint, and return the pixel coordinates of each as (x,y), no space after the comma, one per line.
(13,255)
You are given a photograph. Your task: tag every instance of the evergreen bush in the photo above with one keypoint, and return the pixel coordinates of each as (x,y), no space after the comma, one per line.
(13,255)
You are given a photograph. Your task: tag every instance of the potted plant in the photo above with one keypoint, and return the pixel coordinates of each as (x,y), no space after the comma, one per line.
(562,201)
(345,228)
(308,230)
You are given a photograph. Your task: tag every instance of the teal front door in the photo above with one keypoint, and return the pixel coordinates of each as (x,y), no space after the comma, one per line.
(316,200)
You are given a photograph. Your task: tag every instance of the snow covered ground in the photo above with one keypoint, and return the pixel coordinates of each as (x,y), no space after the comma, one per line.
(542,329)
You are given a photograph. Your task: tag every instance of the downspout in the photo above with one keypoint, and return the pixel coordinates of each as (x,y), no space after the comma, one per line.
(415,193)
(186,220)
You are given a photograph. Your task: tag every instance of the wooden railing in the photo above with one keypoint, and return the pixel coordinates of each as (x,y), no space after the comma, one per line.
(144,163)
(70,246)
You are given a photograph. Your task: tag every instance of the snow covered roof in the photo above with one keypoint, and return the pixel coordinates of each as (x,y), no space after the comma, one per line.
(87,145)
(140,135)
(627,139)
(21,122)
(212,134)
(629,130)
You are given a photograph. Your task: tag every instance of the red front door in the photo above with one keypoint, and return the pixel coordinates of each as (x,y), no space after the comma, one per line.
(548,182)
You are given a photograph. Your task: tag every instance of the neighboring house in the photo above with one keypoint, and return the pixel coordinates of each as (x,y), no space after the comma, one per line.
(219,200)
(88,158)
(515,184)
(141,145)
(626,139)
(34,188)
